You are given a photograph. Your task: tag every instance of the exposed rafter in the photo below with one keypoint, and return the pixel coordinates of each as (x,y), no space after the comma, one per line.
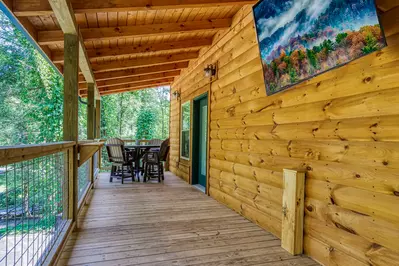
(136,89)
(104,53)
(386,5)
(133,86)
(66,19)
(42,7)
(136,72)
(146,61)
(122,81)
(111,33)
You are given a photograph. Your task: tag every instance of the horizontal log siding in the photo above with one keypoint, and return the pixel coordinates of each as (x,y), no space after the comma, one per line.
(341,127)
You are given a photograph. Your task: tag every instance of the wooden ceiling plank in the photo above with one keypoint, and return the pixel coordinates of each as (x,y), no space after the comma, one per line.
(135,79)
(135,89)
(42,7)
(112,33)
(137,71)
(132,86)
(140,62)
(58,57)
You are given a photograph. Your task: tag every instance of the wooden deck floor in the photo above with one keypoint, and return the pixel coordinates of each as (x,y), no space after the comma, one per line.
(167,224)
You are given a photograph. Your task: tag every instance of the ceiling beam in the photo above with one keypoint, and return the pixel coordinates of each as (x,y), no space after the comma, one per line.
(135,89)
(105,53)
(143,84)
(112,33)
(128,80)
(42,7)
(144,61)
(66,19)
(386,5)
(136,71)
(390,21)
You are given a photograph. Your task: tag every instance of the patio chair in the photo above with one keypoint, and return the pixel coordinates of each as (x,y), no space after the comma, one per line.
(153,161)
(155,142)
(121,160)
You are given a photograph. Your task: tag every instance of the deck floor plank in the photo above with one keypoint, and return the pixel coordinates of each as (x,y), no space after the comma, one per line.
(167,224)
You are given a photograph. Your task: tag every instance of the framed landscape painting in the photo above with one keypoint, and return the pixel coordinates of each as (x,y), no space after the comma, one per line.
(299,39)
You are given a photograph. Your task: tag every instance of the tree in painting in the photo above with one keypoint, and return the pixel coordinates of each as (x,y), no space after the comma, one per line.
(299,39)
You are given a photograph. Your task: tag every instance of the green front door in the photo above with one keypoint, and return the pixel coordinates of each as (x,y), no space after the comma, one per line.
(202,140)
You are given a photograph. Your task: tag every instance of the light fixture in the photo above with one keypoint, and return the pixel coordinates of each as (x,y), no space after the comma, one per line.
(210,71)
(176,94)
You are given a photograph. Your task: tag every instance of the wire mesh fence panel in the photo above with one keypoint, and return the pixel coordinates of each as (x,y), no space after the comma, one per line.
(33,208)
(95,163)
(105,164)
(83,179)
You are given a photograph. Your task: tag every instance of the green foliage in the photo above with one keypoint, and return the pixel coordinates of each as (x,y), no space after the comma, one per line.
(327,45)
(293,75)
(146,119)
(340,37)
(312,58)
(371,44)
(301,55)
(31,95)
(139,114)
(274,67)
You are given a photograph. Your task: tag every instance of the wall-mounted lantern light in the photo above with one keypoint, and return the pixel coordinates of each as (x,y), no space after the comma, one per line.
(176,95)
(210,71)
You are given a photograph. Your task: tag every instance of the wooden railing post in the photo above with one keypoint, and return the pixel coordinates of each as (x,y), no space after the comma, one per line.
(70,130)
(293,211)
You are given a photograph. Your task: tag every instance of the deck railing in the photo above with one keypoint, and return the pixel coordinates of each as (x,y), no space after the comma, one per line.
(36,198)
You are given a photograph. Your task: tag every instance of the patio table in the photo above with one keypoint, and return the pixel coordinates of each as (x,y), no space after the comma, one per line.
(137,156)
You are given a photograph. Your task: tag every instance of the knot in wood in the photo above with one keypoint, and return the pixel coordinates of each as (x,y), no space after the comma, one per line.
(367,80)
(285,211)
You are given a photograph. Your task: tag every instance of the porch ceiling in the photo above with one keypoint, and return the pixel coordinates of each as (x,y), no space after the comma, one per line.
(130,44)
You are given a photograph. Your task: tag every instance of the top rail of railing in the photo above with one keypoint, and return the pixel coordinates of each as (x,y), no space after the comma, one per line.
(19,153)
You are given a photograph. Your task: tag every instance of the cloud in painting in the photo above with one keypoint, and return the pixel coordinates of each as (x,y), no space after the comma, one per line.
(313,9)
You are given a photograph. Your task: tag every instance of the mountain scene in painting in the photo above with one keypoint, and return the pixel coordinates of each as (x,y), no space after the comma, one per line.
(299,39)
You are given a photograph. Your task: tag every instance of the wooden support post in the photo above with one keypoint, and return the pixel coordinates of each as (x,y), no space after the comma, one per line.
(71,87)
(293,211)
(98,119)
(98,129)
(91,104)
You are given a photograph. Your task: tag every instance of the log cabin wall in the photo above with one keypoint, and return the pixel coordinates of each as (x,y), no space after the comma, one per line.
(341,127)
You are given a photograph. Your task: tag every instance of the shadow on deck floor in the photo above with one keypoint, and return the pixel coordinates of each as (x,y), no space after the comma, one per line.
(167,224)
